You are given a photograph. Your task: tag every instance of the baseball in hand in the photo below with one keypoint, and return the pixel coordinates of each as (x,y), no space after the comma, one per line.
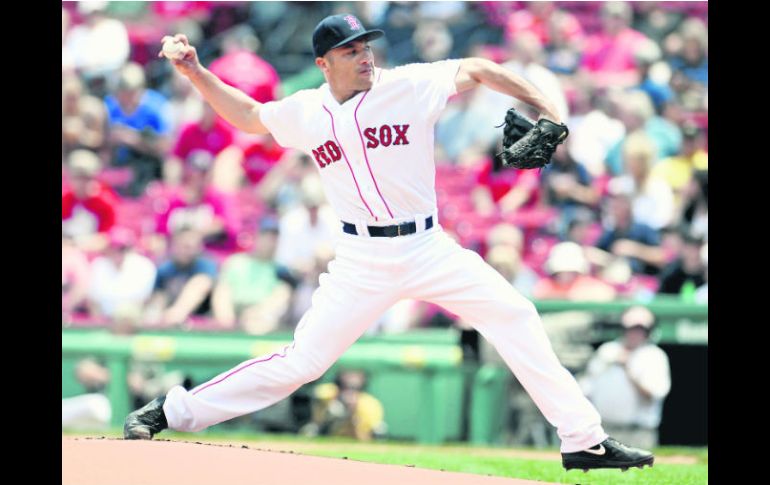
(172,49)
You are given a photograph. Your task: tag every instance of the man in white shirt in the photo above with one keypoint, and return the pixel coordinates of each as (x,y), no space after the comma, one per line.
(120,276)
(627,380)
(371,131)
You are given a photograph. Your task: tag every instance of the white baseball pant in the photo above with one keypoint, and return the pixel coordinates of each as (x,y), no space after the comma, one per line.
(367,276)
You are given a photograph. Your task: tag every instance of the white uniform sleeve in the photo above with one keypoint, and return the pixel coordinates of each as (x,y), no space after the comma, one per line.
(434,83)
(282,118)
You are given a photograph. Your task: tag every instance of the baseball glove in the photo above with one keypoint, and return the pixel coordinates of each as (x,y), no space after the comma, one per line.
(528,144)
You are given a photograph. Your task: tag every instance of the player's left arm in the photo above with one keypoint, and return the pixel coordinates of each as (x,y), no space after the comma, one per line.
(476,70)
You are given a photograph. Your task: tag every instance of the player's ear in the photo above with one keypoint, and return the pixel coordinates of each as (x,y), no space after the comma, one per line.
(322,63)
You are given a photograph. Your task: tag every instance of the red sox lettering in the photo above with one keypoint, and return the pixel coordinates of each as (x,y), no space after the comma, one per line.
(323,158)
(385,136)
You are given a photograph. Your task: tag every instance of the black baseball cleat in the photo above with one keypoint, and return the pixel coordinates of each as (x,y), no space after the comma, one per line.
(610,453)
(146,422)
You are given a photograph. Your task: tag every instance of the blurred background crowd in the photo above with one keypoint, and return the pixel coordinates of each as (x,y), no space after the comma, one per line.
(173,219)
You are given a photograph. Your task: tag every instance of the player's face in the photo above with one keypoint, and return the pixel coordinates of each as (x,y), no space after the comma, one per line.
(350,67)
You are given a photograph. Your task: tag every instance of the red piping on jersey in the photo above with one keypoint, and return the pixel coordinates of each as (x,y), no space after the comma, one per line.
(245,366)
(363,147)
(346,161)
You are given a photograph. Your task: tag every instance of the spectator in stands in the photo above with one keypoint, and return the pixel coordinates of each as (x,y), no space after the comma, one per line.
(199,206)
(88,205)
(508,263)
(695,205)
(685,274)
(627,380)
(533,19)
(690,62)
(595,128)
(608,57)
(505,234)
(148,379)
(450,12)
(564,49)
(241,67)
(120,277)
(580,227)
(624,237)
(507,238)
(525,58)
(74,278)
(432,41)
(677,171)
(655,75)
(652,198)
(343,408)
(280,188)
(92,410)
(570,277)
(249,292)
(139,125)
(210,134)
(258,155)
(636,111)
(185,104)
(98,47)
(462,133)
(656,21)
(183,283)
(306,227)
(504,190)
(566,184)
(84,118)
(307,282)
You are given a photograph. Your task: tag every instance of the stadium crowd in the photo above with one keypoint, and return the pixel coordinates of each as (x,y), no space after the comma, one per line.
(172,218)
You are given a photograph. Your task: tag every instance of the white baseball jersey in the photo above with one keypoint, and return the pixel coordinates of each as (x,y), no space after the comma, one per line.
(375,156)
(375,151)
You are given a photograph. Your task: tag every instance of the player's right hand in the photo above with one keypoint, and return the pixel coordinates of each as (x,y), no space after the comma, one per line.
(188,64)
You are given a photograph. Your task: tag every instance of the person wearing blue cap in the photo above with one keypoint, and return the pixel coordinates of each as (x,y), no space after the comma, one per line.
(371,131)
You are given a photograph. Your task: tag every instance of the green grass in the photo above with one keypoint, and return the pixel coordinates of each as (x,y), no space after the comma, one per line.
(497,461)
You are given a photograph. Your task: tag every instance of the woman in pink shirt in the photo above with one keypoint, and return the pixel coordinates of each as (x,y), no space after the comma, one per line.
(197,205)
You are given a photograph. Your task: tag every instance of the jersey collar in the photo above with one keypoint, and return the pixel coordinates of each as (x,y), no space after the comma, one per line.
(331,102)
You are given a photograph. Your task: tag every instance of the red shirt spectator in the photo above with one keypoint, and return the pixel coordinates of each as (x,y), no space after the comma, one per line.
(259,157)
(533,19)
(605,52)
(200,207)
(200,213)
(170,11)
(609,55)
(249,73)
(88,206)
(211,134)
(502,182)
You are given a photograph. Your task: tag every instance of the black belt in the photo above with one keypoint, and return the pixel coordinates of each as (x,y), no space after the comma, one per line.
(403,229)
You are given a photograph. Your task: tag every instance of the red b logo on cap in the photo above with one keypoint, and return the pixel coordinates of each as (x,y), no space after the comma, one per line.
(353,22)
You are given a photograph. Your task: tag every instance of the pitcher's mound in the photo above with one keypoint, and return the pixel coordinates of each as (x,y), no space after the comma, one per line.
(119,462)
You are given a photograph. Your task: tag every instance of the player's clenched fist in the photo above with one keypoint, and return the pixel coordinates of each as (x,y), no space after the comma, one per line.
(181,54)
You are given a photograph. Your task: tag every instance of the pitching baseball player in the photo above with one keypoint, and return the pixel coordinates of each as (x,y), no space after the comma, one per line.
(370,132)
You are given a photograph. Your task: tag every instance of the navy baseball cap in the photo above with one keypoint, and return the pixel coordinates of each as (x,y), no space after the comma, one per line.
(337,30)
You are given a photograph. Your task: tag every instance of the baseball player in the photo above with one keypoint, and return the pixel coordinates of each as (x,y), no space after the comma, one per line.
(370,132)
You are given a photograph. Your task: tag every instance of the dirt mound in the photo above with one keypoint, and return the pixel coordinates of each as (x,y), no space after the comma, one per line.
(119,462)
